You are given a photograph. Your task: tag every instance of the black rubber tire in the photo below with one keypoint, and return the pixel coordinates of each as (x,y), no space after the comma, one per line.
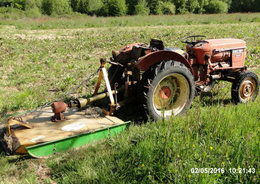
(237,84)
(115,75)
(158,74)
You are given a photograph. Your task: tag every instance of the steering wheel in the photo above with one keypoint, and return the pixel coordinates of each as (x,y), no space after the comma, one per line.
(195,41)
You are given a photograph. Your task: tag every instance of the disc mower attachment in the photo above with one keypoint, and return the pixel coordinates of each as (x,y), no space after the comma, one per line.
(42,134)
(41,137)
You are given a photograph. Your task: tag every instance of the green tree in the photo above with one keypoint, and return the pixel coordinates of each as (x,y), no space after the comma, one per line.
(180,6)
(245,6)
(131,6)
(33,8)
(216,6)
(19,4)
(192,6)
(5,3)
(166,8)
(95,6)
(228,2)
(257,6)
(203,4)
(154,6)
(56,7)
(116,7)
(30,4)
(141,8)
(75,4)
(88,6)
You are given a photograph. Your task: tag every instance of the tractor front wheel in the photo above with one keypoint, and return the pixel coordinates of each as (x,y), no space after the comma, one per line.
(168,90)
(245,87)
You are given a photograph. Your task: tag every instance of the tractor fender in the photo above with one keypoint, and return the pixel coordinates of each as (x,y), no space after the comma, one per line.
(163,55)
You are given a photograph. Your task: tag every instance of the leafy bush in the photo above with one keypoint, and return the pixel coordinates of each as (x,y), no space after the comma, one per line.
(180,6)
(166,8)
(131,6)
(116,7)
(19,4)
(104,11)
(193,5)
(229,2)
(33,12)
(29,4)
(75,4)
(257,6)
(154,6)
(245,6)
(4,10)
(88,6)
(56,7)
(141,8)
(32,8)
(184,6)
(95,6)
(201,6)
(12,13)
(216,6)
(5,3)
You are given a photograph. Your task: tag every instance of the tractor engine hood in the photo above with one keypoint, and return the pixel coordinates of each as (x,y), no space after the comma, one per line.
(216,49)
(225,43)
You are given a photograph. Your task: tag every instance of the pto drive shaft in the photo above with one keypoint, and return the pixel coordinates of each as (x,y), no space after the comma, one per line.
(82,102)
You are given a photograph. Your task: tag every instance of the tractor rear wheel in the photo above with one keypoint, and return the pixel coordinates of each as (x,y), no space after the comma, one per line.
(168,90)
(245,87)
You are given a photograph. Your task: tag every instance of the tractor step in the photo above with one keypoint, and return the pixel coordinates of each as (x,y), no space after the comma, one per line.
(45,137)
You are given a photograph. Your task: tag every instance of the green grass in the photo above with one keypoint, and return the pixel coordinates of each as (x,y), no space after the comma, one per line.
(20,21)
(34,63)
(166,151)
(37,66)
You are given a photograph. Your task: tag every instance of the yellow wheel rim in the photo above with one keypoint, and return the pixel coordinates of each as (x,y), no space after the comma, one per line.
(247,89)
(171,95)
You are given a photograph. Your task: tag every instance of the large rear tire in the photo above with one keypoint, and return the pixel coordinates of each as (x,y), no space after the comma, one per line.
(168,90)
(245,87)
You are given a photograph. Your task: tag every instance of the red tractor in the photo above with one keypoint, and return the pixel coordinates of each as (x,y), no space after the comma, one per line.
(166,78)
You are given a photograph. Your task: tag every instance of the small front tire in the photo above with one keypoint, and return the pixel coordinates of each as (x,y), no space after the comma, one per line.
(245,87)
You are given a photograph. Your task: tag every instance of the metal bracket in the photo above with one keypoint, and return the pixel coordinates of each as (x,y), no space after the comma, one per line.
(13,121)
(103,74)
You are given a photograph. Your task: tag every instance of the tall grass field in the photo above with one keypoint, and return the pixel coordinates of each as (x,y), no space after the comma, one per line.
(214,142)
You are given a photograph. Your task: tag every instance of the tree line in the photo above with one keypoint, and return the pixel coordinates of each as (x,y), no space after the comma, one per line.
(131,7)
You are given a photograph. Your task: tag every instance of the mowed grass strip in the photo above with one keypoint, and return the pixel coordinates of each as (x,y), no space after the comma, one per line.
(38,66)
